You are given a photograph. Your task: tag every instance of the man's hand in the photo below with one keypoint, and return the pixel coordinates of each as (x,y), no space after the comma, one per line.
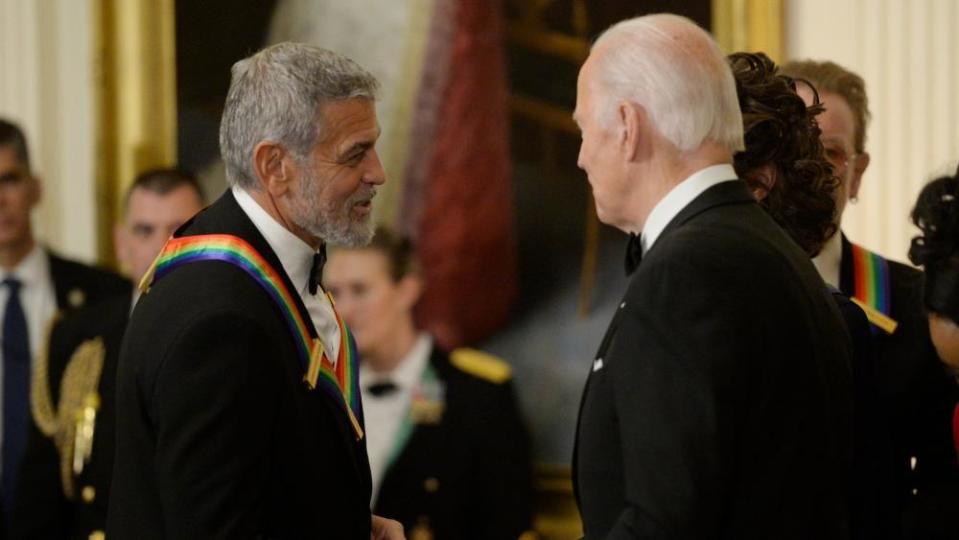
(386,529)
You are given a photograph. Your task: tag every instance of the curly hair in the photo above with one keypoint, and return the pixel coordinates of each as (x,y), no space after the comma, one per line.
(781,132)
(936,249)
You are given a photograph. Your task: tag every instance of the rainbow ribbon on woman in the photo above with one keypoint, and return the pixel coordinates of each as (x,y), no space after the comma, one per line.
(340,379)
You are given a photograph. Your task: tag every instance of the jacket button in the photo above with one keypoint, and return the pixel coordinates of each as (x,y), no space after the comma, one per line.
(97,535)
(88,494)
(431,484)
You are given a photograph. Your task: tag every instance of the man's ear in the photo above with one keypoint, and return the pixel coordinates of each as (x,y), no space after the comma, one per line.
(862,161)
(410,288)
(272,168)
(36,190)
(632,118)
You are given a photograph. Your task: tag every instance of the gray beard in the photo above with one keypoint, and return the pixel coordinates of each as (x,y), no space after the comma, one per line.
(331,224)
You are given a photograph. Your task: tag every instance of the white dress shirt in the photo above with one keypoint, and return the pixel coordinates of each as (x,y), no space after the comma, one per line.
(39,301)
(680,197)
(384,414)
(296,256)
(829,260)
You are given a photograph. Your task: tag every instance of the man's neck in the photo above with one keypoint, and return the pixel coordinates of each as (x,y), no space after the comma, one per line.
(387,355)
(12,255)
(268,203)
(668,172)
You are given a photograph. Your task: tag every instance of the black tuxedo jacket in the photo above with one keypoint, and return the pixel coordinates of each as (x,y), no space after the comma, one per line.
(873,512)
(917,397)
(43,511)
(720,402)
(217,435)
(467,476)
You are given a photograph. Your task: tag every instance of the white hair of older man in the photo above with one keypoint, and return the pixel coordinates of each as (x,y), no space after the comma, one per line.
(276,95)
(676,71)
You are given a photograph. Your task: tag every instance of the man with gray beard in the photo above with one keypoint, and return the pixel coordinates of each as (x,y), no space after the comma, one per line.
(238,411)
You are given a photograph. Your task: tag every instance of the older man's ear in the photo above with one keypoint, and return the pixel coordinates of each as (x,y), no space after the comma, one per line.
(271,163)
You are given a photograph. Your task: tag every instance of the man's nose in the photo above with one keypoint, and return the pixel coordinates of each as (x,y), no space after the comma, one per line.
(375,174)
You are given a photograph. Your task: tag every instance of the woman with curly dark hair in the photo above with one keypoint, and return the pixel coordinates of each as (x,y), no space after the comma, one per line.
(936,250)
(784,161)
(785,165)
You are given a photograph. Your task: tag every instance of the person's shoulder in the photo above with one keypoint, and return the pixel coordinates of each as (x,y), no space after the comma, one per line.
(94,318)
(480,366)
(471,374)
(84,284)
(903,275)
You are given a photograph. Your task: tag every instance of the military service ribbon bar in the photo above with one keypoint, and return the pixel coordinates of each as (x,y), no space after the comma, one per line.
(339,380)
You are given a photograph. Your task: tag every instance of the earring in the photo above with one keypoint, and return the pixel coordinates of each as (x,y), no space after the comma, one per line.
(854,200)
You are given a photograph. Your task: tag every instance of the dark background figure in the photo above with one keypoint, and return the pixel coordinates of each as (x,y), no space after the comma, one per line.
(73,395)
(36,284)
(719,403)
(449,451)
(936,249)
(785,165)
(916,395)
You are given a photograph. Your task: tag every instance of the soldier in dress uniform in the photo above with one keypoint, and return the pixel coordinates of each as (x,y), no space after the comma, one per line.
(68,464)
(35,284)
(448,450)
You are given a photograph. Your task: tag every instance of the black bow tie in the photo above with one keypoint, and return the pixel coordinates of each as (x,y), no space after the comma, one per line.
(634,253)
(316,271)
(382,389)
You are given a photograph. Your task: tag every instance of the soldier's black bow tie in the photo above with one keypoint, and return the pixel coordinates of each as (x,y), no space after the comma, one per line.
(316,271)
(382,389)
(634,253)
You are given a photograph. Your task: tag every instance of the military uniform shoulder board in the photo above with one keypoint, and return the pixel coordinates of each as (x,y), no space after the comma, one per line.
(482,365)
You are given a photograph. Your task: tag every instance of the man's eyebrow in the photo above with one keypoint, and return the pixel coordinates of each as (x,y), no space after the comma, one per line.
(358,147)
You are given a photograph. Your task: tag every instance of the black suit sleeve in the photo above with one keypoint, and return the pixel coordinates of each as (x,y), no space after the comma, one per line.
(677,366)
(216,387)
(504,486)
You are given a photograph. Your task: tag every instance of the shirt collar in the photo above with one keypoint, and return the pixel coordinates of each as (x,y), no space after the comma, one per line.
(32,269)
(679,197)
(408,372)
(829,260)
(295,255)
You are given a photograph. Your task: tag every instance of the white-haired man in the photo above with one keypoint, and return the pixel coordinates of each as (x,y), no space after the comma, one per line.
(719,404)
(238,414)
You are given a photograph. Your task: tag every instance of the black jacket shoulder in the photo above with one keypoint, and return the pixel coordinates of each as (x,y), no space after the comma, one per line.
(77,284)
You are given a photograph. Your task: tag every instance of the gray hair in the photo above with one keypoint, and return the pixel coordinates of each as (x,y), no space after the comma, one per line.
(276,95)
(676,71)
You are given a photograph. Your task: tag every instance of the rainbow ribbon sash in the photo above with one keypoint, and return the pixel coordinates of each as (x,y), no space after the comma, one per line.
(339,380)
(871,288)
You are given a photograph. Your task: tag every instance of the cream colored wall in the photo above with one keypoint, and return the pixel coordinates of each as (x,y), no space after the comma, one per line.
(908,53)
(46,85)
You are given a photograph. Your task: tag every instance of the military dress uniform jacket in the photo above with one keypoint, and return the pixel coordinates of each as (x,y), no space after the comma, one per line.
(719,404)
(217,434)
(464,470)
(50,505)
(917,397)
(75,285)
